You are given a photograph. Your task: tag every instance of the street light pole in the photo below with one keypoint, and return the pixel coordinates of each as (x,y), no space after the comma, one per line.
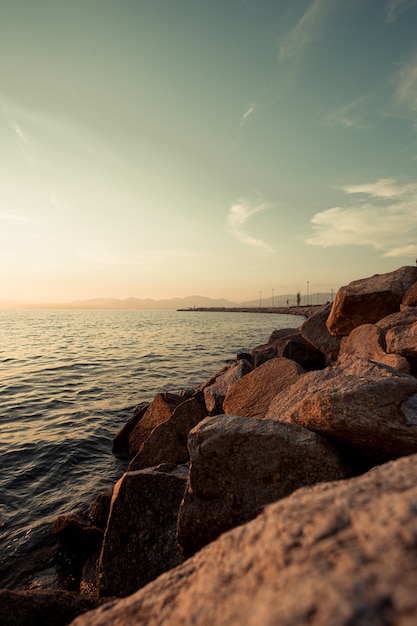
(308,282)
(273,298)
(260,299)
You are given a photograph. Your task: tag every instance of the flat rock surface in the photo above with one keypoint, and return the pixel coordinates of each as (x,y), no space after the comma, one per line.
(251,395)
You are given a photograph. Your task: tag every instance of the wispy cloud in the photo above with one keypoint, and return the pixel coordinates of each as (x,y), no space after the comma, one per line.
(405,94)
(251,109)
(382,188)
(306,31)
(384,217)
(15,218)
(238,216)
(394,8)
(347,116)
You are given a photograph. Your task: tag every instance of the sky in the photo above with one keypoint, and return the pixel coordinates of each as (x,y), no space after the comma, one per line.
(224,148)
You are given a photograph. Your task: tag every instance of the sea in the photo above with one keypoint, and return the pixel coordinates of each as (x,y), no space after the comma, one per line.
(69,381)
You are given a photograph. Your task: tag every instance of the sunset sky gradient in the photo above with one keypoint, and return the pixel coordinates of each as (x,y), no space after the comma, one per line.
(161,148)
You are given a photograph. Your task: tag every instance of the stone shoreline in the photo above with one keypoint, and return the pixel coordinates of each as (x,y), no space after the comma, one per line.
(305,310)
(280,491)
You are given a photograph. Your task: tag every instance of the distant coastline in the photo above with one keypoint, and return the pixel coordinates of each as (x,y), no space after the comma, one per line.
(305,310)
(195,302)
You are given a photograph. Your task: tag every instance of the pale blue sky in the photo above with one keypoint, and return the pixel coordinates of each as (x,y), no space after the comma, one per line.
(160,148)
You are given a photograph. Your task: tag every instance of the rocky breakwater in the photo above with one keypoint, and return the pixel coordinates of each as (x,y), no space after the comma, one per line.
(281,491)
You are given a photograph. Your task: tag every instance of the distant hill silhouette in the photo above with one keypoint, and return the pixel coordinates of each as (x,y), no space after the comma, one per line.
(171,304)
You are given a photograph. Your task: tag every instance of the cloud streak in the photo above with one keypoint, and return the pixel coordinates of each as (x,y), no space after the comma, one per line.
(306,31)
(348,116)
(384,217)
(394,8)
(405,95)
(238,216)
(251,109)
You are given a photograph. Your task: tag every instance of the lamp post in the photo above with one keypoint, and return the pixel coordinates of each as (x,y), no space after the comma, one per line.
(260,299)
(308,283)
(273,298)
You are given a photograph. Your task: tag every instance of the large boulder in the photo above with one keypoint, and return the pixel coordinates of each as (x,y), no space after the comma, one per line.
(159,411)
(337,553)
(167,443)
(215,393)
(42,607)
(367,342)
(251,395)
(297,348)
(315,331)
(404,317)
(402,340)
(368,300)
(410,297)
(120,442)
(240,464)
(374,415)
(139,543)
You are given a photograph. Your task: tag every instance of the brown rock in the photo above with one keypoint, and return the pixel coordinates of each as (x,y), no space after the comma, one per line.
(120,442)
(75,531)
(367,343)
(410,296)
(139,543)
(297,348)
(167,443)
(401,318)
(314,330)
(402,340)
(368,300)
(215,394)
(159,411)
(42,607)
(100,509)
(333,554)
(240,464)
(281,333)
(262,354)
(373,415)
(251,395)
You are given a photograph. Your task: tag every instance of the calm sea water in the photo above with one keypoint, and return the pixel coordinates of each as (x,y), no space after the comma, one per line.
(69,380)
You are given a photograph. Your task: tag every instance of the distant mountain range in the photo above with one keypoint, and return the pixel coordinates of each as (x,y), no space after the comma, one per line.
(148,304)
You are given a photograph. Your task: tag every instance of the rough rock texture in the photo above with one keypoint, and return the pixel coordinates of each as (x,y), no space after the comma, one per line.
(315,331)
(410,296)
(214,394)
(240,464)
(297,348)
(374,415)
(73,530)
(139,543)
(120,442)
(100,509)
(42,607)
(402,340)
(401,318)
(159,411)
(368,300)
(167,443)
(342,553)
(367,342)
(251,395)
(280,333)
